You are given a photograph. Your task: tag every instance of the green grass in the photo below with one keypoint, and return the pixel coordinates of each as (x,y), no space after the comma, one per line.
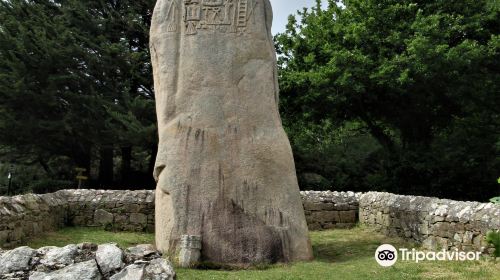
(75,235)
(339,254)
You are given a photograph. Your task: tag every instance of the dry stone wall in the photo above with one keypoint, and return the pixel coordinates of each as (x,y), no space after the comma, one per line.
(435,223)
(29,215)
(117,210)
(327,210)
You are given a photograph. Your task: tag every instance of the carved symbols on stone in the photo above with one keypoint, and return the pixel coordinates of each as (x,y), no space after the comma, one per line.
(171,14)
(224,15)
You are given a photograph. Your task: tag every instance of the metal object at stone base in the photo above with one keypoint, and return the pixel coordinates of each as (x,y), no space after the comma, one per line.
(190,252)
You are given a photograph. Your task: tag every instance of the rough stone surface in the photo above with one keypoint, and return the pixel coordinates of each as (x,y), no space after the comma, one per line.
(156,269)
(58,257)
(16,260)
(24,216)
(160,269)
(131,272)
(224,168)
(190,251)
(327,210)
(82,262)
(141,252)
(109,258)
(436,223)
(116,210)
(81,271)
(103,217)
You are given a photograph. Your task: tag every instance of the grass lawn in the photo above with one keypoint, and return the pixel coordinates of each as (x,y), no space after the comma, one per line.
(75,235)
(340,254)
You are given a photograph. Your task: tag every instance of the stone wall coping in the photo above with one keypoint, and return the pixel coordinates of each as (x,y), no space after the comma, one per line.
(455,210)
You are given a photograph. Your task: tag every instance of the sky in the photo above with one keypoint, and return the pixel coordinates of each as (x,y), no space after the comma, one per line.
(283,8)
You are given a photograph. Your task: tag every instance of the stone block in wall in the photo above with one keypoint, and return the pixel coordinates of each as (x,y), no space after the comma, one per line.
(435,243)
(16,235)
(132,208)
(437,219)
(121,219)
(347,216)
(314,226)
(479,242)
(138,218)
(313,206)
(151,219)
(442,229)
(328,207)
(130,227)
(37,229)
(325,216)
(424,228)
(443,243)
(79,221)
(458,227)
(458,237)
(103,217)
(467,238)
(371,220)
(4,236)
(342,206)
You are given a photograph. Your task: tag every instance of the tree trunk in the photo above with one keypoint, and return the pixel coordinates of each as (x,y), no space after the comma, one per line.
(45,166)
(126,165)
(106,166)
(82,158)
(379,134)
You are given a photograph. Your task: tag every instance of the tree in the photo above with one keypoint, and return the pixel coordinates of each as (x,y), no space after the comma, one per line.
(415,74)
(75,77)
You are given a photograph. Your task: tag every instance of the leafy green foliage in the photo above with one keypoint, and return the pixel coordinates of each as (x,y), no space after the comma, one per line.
(50,185)
(496,200)
(75,81)
(493,238)
(419,77)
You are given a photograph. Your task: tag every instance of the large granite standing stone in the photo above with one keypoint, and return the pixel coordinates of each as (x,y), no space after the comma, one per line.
(224,168)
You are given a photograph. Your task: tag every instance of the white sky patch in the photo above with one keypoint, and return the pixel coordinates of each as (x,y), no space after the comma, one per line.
(283,8)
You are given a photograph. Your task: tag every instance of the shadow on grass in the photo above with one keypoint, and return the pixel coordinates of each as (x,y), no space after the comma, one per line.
(331,246)
(344,245)
(344,251)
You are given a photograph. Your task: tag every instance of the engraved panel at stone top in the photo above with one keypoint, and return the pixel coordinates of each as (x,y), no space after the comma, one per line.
(223,15)
(172,14)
